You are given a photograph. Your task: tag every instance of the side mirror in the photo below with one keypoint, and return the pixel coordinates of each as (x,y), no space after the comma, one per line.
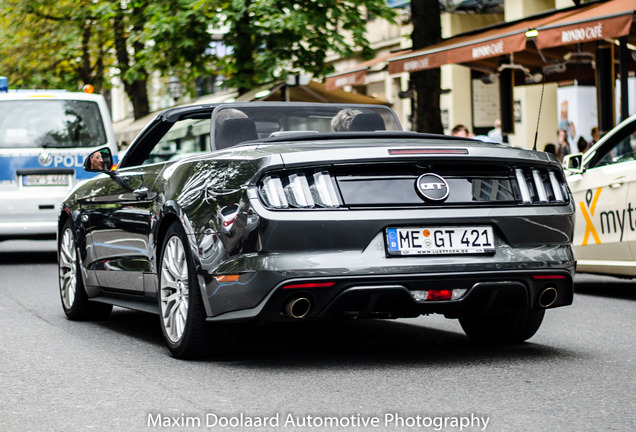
(99,161)
(573,163)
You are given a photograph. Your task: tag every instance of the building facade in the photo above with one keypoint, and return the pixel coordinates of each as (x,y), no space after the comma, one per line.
(472,96)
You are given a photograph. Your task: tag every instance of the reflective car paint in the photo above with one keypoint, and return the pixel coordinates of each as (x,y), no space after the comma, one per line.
(254,261)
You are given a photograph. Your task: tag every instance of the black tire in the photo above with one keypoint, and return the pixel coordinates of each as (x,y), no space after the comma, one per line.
(72,293)
(504,328)
(182,313)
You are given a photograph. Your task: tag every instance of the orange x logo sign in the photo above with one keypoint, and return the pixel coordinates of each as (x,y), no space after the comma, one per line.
(589,226)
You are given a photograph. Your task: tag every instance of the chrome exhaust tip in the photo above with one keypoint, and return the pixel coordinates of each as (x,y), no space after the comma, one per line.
(548,296)
(298,308)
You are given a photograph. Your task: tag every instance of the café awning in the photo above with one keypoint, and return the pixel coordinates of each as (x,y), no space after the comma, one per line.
(313,91)
(612,19)
(482,48)
(350,77)
(357,75)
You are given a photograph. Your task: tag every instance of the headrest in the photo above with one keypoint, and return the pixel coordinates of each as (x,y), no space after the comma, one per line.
(367,122)
(234,131)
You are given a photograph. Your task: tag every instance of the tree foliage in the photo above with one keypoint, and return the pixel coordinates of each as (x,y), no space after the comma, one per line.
(52,45)
(273,38)
(68,43)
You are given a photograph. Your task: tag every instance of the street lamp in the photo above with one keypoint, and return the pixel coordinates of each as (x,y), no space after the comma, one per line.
(175,88)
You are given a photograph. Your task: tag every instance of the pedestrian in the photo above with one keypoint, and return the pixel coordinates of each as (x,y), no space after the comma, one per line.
(582,144)
(461,131)
(596,135)
(495,134)
(550,148)
(565,123)
(562,144)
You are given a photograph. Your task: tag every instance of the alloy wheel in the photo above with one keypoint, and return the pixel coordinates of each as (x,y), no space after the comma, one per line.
(68,268)
(174,289)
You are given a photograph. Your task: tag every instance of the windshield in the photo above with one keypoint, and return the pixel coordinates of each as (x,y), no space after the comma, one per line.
(50,123)
(236,123)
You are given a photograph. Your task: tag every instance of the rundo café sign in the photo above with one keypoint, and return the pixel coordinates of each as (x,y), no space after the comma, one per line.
(582,34)
(563,33)
(458,53)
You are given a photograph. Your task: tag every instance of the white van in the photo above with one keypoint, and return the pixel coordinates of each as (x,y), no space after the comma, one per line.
(44,136)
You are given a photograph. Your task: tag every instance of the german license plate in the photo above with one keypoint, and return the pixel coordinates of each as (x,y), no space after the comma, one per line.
(440,240)
(45,180)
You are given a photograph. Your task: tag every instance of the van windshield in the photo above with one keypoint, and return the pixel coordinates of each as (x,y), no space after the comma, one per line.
(50,124)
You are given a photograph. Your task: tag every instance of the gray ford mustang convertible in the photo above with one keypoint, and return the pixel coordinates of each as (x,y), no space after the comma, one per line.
(225,213)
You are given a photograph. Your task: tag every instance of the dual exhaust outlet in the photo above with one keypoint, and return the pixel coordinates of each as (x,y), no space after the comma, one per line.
(297,307)
(547,296)
(300,307)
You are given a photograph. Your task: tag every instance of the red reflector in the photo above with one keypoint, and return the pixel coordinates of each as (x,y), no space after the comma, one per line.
(310,285)
(548,277)
(427,151)
(440,294)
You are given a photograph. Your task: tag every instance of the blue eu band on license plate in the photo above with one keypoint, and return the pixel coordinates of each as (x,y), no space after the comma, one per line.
(440,240)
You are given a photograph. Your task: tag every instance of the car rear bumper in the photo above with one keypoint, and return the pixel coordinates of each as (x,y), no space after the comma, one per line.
(393,296)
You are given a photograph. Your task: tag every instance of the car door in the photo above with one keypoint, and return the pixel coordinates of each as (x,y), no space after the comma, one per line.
(117,223)
(605,220)
(627,136)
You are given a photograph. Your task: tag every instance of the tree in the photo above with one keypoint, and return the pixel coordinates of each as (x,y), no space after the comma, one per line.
(425,16)
(165,37)
(271,39)
(51,45)
(168,37)
(69,43)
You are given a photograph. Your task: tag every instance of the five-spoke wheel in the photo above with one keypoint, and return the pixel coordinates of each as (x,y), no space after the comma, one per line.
(175,289)
(74,298)
(183,316)
(68,268)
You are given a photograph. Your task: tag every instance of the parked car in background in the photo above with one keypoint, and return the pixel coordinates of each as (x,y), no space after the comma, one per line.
(288,211)
(603,183)
(44,137)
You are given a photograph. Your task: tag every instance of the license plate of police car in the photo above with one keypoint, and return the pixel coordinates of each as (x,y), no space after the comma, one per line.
(45,180)
(440,240)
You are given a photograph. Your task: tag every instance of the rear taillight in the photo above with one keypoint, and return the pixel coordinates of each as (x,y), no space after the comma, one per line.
(539,186)
(300,190)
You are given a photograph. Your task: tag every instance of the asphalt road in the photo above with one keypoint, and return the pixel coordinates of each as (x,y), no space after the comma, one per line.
(576,374)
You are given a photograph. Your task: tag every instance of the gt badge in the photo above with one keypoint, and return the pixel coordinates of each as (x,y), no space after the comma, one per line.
(432,187)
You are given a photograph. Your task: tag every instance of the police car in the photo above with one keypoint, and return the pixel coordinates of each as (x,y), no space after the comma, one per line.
(603,183)
(44,136)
